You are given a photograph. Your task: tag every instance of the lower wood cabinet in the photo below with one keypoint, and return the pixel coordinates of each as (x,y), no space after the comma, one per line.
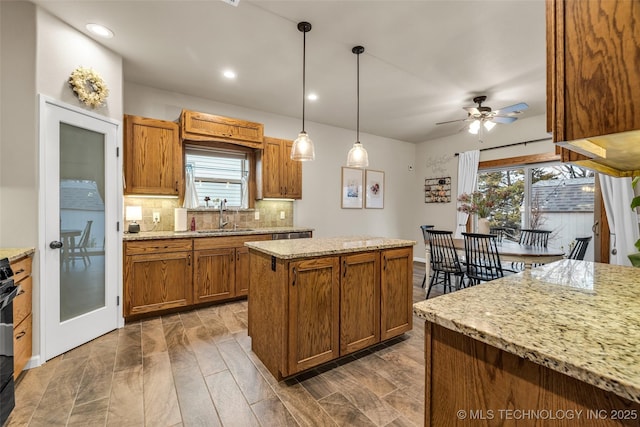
(22,319)
(172,273)
(306,312)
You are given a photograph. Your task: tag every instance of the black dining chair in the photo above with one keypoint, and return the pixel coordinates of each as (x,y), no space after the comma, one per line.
(534,237)
(444,261)
(424,229)
(481,258)
(579,248)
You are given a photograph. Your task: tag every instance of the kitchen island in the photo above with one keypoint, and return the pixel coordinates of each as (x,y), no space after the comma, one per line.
(314,300)
(556,345)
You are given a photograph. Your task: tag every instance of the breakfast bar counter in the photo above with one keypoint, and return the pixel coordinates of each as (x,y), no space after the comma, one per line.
(558,338)
(314,300)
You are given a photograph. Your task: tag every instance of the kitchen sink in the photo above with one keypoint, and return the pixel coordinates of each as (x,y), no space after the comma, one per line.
(226,230)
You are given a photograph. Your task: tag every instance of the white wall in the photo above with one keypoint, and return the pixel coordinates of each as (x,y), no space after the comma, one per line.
(436,158)
(320,204)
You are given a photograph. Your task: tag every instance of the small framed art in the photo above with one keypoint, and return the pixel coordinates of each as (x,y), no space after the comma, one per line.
(374,181)
(351,188)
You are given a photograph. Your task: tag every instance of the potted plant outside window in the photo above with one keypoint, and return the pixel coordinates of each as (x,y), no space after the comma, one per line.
(635,258)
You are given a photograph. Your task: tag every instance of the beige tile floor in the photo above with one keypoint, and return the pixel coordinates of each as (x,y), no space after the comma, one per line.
(196,368)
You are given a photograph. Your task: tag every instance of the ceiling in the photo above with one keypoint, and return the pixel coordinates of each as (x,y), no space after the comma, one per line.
(423,60)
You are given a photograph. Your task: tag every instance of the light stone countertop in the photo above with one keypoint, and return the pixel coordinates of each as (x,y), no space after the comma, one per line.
(576,317)
(151,235)
(314,247)
(15,253)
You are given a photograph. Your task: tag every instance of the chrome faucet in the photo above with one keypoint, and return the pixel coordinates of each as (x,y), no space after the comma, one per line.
(223,207)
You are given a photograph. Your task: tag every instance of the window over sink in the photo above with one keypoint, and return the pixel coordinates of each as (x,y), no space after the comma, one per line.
(220,174)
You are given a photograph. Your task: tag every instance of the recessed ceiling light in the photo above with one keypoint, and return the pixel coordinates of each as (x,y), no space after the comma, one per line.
(100,30)
(312,97)
(229,74)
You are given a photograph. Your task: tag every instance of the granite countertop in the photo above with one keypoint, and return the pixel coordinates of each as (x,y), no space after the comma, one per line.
(15,253)
(576,317)
(305,248)
(150,235)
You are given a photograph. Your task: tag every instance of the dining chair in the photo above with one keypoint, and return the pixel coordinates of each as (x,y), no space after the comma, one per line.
(424,229)
(481,258)
(531,237)
(444,261)
(579,248)
(80,250)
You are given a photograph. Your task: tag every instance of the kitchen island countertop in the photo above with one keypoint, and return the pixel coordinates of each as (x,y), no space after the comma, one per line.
(578,318)
(314,247)
(15,253)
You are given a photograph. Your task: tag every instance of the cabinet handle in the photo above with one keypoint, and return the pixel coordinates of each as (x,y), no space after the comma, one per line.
(285,190)
(21,292)
(21,334)
(344,268)
(177,186)
(189,259)
(295,276)
(238,257)
(385,262)
(20,271)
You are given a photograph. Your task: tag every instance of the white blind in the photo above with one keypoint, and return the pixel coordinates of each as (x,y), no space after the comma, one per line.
(218,174)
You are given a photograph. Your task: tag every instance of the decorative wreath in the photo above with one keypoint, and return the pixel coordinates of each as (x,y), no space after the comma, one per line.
(88,86)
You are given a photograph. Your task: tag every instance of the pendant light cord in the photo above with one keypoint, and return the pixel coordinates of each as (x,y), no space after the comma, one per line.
(304,72)
(358,100)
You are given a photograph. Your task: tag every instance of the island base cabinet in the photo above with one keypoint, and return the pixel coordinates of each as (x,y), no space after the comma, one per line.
(396,289)
(472,383)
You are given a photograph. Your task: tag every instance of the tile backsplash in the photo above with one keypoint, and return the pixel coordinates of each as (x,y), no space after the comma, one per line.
(208,218)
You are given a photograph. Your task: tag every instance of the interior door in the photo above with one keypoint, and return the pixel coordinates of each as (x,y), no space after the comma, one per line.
(80,277)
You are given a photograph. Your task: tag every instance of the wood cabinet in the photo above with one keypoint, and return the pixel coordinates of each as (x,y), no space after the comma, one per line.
(305,312)
(157,275)
(221,267)
(153,160)
(22,319)
(278,175)
(197,126)
(593,85)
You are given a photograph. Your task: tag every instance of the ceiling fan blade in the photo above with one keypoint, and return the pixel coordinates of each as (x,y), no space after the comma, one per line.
(515,108)
(501,119)
(472,110)
(451,121)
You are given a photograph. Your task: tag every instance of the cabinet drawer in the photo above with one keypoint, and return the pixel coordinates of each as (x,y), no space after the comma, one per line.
(22,302)
(157,246)
(22,342)
(21,269)
(227,242)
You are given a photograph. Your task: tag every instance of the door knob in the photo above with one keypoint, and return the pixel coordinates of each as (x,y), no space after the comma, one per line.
(55,244)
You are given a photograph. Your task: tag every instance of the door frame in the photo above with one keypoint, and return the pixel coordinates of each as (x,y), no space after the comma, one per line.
(115,219)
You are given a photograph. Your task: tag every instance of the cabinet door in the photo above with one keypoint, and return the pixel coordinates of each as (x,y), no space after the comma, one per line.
(242,271)
(291,176)
(208,127)
(396,292)
(152,157)
(359,301)
(155,282)
(214,277)
(271,186)
(314,298)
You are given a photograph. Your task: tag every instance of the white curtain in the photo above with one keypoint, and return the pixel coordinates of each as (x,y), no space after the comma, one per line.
(190,194)
(467,177)
(623,222)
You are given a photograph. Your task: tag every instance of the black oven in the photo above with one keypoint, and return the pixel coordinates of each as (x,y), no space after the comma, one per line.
(8,292)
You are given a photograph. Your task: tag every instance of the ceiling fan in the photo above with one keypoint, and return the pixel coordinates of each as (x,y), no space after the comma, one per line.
(482,116)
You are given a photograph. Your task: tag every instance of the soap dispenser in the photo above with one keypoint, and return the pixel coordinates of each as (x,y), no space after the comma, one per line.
(193,223)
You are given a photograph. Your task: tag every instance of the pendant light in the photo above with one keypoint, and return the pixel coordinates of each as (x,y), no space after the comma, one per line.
(302,148)
(358,157)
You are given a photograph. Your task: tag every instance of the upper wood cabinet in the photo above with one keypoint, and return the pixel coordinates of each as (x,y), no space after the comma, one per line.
(277,175)
(208,127)
(593,83)
(153,161)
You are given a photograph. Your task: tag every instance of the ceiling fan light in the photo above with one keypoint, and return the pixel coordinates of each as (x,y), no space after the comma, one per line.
(474,127)
(488,124)
(302,148)
(357,157)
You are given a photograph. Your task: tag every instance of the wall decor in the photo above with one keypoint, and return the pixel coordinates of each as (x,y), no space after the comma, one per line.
(88,87)
(374,198)
(437,190)
(351,188)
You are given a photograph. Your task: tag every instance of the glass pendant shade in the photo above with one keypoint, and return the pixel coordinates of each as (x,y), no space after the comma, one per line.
(302,148)
(488,125)
(474,127)
(357,157)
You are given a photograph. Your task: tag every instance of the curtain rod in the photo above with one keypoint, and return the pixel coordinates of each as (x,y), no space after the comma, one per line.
(514,144)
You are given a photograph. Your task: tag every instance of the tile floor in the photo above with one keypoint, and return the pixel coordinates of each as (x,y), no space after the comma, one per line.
(196,368)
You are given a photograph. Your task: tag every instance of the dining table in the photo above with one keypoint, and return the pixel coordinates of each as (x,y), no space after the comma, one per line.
(510,251)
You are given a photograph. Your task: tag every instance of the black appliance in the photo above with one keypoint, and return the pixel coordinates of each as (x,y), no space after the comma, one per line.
(8,291)
(291,235)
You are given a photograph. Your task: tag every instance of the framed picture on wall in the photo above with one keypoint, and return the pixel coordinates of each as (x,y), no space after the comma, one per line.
(351,188)
(374,181)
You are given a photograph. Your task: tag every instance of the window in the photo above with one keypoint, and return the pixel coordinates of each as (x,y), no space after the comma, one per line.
(219,174)
(551,196)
